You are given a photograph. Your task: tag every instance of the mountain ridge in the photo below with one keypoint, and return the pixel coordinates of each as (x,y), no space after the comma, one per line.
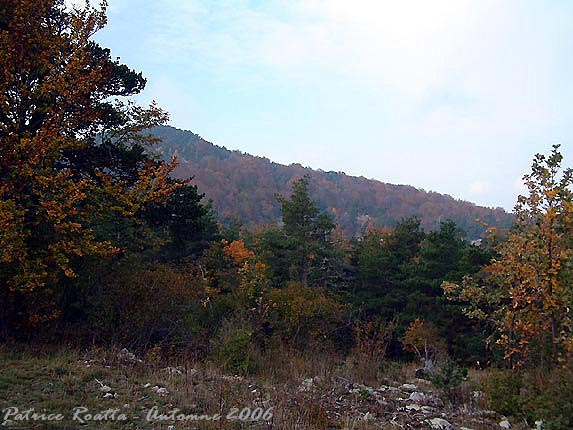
(244,186)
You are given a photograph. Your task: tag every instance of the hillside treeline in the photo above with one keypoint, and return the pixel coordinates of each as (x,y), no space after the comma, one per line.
(243,187)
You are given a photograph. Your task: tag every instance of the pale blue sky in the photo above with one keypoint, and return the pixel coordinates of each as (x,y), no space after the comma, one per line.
(453,96)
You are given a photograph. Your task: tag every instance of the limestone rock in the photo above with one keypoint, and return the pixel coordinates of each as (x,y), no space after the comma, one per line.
(126,357)
(425,399)
(440,424)
(505,424)
(408,387)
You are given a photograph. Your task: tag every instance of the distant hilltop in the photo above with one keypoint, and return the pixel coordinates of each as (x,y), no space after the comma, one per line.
(244,187)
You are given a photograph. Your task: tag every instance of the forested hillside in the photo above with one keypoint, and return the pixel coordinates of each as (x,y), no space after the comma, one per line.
(244,186)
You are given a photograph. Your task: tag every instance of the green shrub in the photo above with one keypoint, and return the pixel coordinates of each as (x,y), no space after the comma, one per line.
(534,394)
(554,404)
(449,378)
(449,375)
(233,347)
(504,392)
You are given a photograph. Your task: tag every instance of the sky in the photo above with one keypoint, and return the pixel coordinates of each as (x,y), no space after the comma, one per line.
(453,96)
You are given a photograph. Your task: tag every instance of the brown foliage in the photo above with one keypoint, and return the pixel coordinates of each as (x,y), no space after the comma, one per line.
(527,292)
(55,84)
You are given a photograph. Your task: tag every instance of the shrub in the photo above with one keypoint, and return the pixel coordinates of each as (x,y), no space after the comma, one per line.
(233,347)
(371,340)
(304,316)
(504,392)
(449,375)
(534,394)
(554,403)
(138,305)
(449,378)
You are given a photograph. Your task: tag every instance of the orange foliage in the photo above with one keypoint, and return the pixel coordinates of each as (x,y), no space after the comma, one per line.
(238,253)
(55,84)
(527,292)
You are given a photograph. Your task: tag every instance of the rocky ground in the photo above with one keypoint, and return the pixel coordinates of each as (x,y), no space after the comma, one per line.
(413,405)
(103,390)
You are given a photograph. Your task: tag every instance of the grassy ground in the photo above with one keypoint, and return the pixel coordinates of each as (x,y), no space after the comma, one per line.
(288,392)
(111,394)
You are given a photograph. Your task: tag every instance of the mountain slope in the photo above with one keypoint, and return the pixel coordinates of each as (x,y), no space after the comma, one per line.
(244,186)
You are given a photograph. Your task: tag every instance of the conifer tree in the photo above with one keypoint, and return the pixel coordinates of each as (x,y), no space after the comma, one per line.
(71,154)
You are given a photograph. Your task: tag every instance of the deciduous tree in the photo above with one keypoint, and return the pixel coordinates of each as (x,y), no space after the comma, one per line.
(527,293)
(70,156)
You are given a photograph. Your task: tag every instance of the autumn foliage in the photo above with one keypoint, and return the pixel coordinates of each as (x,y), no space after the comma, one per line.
(100,243)
(527,292)
(243,186)
(65,144)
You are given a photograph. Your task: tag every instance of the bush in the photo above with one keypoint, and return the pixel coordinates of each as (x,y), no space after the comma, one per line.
(366,359)
(534,394)
(138,305)
(233,347)
(504,392)
(304,317)
(449,375)
(449,378)
(554,404)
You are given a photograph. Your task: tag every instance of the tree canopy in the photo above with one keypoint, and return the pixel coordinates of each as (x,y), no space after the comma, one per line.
(301,250)
(76,176)
(527,293)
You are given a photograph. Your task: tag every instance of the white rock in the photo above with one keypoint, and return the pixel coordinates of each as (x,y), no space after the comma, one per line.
(125,356)
(409,387)
(173,370)
(160,390)
(505,424)
(368,417)
(416,396)
(426,399)
(171,428)
(102,387)
(306,384)
(440,424)
(413,407)
(109,396)
(539,425)
(232,378)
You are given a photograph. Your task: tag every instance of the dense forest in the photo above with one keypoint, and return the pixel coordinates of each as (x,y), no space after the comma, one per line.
(242,187)
(106,244)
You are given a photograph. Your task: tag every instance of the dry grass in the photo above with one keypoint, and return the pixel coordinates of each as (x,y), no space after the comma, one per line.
(310,391)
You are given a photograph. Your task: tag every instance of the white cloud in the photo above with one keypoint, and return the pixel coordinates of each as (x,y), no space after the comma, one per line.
(479,187)
(407,48)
